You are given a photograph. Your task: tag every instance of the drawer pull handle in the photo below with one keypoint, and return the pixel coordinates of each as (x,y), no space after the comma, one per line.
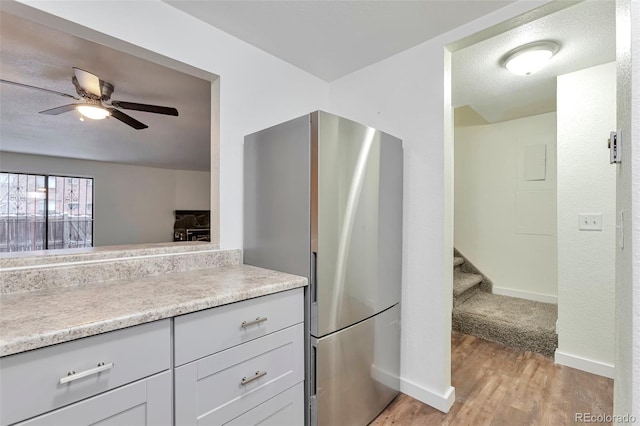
(256,376)
(258,320)
(72,375)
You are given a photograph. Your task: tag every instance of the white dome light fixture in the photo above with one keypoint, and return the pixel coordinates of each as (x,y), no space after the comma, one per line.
(93,112)
(529,58)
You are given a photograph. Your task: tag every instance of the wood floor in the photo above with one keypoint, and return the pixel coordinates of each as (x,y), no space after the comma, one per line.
(501,386)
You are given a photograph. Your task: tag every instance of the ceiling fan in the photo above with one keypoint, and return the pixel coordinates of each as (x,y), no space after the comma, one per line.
(95,100)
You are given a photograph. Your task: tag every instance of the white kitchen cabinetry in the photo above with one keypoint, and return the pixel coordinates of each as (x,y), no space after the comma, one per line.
(255,365)
(143,403)
(206,332)
(241,364)
(42,380)
(285,409)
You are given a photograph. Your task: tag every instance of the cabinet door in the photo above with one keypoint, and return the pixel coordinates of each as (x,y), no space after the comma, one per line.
(143,403)
(31,381)
(285,409)
(220,387)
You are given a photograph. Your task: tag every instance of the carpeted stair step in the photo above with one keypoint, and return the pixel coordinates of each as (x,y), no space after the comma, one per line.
(519,323)
(465,285)
(457,261)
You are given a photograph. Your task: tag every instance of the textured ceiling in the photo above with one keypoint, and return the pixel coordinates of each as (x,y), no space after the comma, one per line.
(40,56)
(586,34)
(325,38)
(330,39)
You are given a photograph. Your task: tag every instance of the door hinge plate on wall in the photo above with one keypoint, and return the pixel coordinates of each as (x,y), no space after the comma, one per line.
(615,148)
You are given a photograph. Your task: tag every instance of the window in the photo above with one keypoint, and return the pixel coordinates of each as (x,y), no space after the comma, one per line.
(39,212)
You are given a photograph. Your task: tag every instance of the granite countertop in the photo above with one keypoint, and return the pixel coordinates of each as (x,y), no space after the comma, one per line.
(41,257)
(30,320)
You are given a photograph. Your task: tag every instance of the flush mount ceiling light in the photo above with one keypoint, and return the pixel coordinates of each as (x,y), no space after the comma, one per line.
(93,112)
(529,58)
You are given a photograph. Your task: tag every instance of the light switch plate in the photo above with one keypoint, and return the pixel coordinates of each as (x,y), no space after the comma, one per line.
(590,221)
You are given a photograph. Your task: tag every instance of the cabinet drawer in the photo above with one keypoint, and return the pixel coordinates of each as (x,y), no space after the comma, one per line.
(206,332)
(142,403)
(220,387)
(285,409)
(31,385)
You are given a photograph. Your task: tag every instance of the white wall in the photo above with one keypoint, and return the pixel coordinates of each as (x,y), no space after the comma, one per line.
(256,90)
(408,96)
(132,204)
(586,108)
(504,224)
(627,379)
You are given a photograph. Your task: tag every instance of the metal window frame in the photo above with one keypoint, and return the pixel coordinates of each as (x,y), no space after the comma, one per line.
(46,177)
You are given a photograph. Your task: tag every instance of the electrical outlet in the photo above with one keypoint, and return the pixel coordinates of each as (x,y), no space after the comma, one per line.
(590,221)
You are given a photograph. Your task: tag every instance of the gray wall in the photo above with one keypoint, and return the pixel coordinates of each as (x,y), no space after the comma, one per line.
(132,204)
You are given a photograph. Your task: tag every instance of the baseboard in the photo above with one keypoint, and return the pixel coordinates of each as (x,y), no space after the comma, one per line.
(585,364)
(439,402)
(538,297)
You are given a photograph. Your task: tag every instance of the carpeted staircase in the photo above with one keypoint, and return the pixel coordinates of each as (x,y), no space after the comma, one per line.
(519,323)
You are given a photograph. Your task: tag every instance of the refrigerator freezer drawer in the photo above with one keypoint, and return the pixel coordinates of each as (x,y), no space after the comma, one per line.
(357,370)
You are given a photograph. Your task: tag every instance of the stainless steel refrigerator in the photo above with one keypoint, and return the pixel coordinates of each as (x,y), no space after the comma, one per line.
(323,199)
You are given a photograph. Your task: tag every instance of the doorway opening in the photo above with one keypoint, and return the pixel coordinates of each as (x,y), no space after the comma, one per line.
(530,164)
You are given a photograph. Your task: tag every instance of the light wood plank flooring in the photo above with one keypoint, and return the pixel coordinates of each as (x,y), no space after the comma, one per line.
(497,385)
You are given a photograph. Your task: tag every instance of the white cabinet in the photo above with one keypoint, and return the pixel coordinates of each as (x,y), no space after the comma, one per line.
(206,332)
(146,402)
(241,363)
(220,387)
(224,386)
(42,380)
(285,409)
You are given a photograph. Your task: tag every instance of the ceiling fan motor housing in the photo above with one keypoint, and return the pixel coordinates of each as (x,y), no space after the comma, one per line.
(106,89)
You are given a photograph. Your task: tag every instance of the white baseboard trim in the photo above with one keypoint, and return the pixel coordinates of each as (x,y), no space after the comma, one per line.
(585,364)
(538,297)
(439,402)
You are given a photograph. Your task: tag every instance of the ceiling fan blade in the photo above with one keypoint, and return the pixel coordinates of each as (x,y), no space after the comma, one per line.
(144,107)
(60,109)
(127,119)
(89,82)
(28,86)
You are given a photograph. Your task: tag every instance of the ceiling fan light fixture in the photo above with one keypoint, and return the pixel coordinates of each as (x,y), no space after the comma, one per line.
(529,58)
(93,112)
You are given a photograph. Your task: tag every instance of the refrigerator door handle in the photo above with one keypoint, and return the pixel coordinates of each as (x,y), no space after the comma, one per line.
(313,389)
(314,277)
(313,298)
(314,370)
